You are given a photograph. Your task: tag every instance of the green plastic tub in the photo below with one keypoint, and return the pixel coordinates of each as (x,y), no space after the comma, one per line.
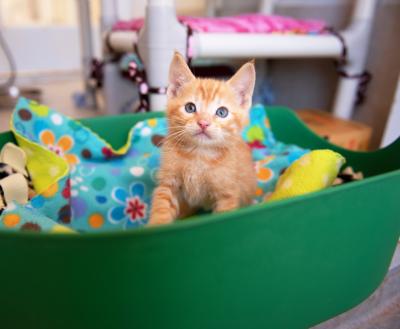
(288,264)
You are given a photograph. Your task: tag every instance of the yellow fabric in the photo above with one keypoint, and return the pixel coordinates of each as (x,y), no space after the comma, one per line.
(312,172)
(40,160)
(61,229)
(45,167)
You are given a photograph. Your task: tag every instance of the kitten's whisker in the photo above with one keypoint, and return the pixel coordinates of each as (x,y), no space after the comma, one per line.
(177,138)
(175,131)
(172,127)
(175,134)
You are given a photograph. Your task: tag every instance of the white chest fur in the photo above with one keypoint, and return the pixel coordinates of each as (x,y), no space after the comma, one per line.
(196,178)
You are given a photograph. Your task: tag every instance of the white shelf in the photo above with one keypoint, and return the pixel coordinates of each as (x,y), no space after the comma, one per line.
(225,45)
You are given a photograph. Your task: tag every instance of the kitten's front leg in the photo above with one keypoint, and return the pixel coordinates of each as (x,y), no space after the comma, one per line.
(165,206)
(227,203)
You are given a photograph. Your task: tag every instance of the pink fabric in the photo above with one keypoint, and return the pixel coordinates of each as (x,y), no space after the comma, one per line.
(250,23)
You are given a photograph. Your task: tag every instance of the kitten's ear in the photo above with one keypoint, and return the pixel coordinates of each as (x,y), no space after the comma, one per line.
(179,75)
(243,83)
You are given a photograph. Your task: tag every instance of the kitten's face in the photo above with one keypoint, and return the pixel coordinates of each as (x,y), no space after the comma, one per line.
(206,112)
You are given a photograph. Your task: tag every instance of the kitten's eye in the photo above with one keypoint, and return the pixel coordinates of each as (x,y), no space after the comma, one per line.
(190,107)
(222,112)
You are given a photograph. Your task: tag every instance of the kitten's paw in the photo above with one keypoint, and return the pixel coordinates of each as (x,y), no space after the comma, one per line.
(225,205)
(224,209)
(160,219)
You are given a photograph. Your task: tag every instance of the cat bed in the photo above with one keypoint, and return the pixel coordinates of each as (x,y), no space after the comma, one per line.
(287,264)
(250,23)
(85,184)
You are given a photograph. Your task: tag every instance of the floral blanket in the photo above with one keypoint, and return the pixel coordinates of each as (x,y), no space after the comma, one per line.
(84,184)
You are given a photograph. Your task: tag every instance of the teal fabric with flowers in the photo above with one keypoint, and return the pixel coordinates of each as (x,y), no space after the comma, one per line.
(108,189)
(17,217)
(103,190)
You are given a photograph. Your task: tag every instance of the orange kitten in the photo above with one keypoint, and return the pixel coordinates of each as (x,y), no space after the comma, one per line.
(205,163)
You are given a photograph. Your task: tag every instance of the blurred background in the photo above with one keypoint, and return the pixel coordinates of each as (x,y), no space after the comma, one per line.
(43,37)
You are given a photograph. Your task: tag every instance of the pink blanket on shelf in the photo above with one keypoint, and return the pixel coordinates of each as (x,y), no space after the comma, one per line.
(250,23)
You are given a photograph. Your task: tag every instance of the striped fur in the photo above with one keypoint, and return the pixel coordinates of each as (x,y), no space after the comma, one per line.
(5,171)
(212,170)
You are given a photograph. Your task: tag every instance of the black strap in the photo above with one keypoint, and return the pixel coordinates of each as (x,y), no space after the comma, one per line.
(364,77)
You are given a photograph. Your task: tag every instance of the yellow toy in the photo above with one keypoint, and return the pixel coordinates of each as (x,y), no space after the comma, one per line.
(314,171)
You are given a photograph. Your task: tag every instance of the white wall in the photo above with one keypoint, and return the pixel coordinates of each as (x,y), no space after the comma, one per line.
(43,49)
(52,48)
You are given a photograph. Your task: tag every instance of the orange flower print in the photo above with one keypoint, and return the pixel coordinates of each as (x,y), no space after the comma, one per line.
(60,147)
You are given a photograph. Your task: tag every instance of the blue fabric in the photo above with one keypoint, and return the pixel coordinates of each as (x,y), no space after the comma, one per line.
(108,189)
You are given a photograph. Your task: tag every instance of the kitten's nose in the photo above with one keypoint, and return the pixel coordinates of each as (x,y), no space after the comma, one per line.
(203,124)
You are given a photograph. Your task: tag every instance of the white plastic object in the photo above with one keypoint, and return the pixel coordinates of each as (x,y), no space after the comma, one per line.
(225,45)
(161,35)
(357,38)
(392,129)
(266,6)
(156,3)
(87,51)
(123,41)
(158,102)
(108,14)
